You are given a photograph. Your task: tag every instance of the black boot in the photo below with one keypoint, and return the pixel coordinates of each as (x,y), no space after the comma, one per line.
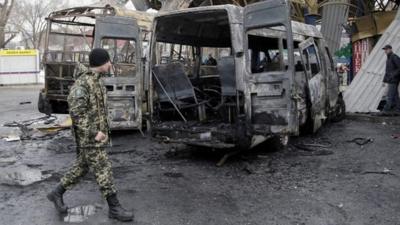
(56,196)
(116,211)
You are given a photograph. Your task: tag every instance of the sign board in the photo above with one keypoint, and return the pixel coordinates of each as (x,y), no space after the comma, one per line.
(19,66)
(26,52)
(361,50)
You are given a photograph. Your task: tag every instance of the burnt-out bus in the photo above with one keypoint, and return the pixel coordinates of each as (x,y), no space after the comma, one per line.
(271,77)
(72,33)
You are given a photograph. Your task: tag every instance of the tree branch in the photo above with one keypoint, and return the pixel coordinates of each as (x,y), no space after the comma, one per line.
(9,8)
(8,40)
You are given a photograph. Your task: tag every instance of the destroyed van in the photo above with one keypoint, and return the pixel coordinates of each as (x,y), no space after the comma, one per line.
(72,33)
(273,77)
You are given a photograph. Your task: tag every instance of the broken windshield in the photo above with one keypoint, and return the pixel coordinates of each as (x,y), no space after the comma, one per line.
(69,43)
(267,49)
(122,54)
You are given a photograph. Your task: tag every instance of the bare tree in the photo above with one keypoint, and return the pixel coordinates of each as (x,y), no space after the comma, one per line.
(29,18)
(5,11)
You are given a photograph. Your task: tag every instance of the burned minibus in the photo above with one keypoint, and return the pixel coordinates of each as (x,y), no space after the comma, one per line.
(72,33)
(272,77)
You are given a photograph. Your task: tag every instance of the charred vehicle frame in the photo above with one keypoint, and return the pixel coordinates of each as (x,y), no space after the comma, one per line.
(122,32)
(274,77)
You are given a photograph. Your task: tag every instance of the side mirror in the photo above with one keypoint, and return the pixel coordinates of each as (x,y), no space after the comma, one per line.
(239,54)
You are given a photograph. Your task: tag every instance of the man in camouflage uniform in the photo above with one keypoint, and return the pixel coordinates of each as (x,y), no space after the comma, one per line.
(87,107)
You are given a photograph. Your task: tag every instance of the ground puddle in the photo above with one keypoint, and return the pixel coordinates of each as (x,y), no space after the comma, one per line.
(79,214)
(21,175)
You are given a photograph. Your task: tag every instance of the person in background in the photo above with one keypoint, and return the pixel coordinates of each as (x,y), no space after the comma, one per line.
(211,61)
(392,79)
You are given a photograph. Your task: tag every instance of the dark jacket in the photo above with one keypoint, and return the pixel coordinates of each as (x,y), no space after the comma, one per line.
(392,74)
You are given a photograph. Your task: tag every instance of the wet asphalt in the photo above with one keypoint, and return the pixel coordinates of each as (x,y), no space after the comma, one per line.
(323,179)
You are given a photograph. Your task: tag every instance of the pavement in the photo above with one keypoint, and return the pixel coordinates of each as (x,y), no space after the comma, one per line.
(346,174)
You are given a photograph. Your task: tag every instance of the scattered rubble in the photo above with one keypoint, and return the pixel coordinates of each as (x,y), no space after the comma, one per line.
(173,174)
(361,141)
(12,138)
(384,171)
(37,129)
(396,136)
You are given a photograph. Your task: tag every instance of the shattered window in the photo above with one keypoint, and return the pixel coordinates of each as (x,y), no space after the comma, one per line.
(312,62)
(169,53)
(299,66)
(267,49)
(121,51)
(215,53)
(69,43)
(122,54)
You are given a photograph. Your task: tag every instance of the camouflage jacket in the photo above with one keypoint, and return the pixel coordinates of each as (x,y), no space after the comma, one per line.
(87,108)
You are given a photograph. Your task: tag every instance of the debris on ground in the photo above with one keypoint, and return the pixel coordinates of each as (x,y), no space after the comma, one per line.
(315,143)
(309,147)
(248,169)
(66,124)
(12,138)
(361,141)
(34,130)
(315,148)
(384,171)
(25,103)
(222,161)
(44,119)
(396,136)
(173,174)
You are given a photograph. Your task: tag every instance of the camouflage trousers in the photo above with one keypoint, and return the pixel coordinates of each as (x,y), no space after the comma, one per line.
(95,159)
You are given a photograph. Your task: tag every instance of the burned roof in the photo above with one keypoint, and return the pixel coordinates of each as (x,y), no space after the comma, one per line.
(86,11)
(70,15)
(209,26)
(195,27)
(234,12)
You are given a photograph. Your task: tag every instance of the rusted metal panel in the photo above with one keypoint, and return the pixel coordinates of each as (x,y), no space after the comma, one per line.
(123,108)
(372,24)
(366,90)
(273,15)
(334,16)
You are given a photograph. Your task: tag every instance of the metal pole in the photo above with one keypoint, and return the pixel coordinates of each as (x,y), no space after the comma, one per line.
(169,98)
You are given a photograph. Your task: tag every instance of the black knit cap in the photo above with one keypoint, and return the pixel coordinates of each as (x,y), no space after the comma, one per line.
(387,47)
(98,57)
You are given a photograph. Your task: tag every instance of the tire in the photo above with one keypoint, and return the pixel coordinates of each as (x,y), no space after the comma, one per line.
(340,110)
(43,104)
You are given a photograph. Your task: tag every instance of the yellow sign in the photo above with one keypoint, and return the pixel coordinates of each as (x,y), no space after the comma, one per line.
(18,52)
